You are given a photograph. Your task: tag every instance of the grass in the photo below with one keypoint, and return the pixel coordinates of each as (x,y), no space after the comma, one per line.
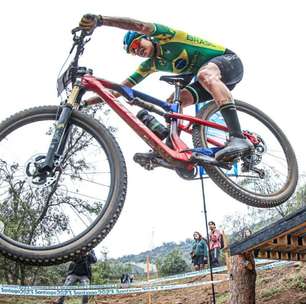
(297,282)
(269,293)
(278,284)
(222,298)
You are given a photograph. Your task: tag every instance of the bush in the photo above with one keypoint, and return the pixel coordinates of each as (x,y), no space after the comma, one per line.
(172,263)
(106,271)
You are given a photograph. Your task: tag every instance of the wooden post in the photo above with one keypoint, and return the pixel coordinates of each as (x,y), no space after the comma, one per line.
(226,251)
(148,279)
(242,279)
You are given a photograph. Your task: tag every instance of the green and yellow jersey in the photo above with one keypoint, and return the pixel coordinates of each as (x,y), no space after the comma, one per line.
(180,52)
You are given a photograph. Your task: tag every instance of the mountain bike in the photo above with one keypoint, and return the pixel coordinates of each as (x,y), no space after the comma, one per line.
(63,177)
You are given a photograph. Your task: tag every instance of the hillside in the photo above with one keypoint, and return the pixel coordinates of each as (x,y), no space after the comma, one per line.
(158,252)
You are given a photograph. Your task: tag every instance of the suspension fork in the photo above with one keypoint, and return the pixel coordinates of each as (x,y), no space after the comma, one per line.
(62,129)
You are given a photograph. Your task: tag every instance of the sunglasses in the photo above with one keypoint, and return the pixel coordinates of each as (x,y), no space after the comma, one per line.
(135,45)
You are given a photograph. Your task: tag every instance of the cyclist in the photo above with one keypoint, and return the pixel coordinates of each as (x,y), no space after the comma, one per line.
(216,68)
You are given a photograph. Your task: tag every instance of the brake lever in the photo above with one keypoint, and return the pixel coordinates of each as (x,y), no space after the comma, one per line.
(84,33)
(75,30)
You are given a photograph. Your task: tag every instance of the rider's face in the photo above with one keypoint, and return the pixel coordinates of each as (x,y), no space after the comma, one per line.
(144,48)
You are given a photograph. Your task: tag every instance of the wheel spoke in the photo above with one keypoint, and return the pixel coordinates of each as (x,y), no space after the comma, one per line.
(264,175)
(49,210)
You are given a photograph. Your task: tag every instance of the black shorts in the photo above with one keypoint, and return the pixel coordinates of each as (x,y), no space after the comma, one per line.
(199,260)
(231,69)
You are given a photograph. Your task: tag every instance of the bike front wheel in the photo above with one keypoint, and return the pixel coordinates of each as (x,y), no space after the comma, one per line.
(51,220)
(266,179)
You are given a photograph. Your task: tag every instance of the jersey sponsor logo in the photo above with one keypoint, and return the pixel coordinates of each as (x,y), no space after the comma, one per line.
(201,41)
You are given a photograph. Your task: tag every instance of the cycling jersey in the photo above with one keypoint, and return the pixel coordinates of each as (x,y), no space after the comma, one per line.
(179,52)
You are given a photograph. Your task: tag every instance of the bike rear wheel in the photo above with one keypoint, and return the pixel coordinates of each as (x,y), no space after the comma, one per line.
(49,221)
(274,158)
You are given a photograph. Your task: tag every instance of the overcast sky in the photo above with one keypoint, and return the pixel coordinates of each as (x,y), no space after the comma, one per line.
(269,36)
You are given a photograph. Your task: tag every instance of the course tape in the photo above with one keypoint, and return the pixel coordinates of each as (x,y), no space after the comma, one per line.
(153,281)
(276,264)
(140,283)
(9,290)
(101,290)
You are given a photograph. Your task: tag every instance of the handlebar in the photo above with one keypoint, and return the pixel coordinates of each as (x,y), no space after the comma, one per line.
(73,70)
(79,42)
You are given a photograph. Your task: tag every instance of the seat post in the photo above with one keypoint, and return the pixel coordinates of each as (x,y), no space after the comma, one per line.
(176,99)
(177,93)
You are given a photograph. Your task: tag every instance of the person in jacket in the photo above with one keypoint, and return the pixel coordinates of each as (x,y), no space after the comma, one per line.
(199,251)
(215,244)
(80,271)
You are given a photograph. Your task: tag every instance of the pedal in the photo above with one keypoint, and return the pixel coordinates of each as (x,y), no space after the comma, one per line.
(203,159)
(150,161)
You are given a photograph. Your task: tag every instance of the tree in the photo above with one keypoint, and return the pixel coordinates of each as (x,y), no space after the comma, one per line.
(12,272)
(242,279)
(172,263)
(107,271)
(257,218)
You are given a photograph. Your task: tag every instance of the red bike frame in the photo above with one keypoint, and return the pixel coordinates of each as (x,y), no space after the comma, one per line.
(181,152)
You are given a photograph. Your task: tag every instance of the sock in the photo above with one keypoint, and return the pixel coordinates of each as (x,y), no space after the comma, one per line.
(230,116)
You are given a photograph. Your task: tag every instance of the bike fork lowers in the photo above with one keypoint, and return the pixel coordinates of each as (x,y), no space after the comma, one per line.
(61,132)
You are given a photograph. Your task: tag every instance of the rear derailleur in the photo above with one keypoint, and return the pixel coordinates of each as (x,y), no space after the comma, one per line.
(249,163)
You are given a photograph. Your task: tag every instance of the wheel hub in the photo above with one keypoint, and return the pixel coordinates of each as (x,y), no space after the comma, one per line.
(37,177)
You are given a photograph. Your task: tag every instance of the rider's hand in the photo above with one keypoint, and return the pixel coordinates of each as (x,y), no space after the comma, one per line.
(90,21)
(116,94)
(92,101)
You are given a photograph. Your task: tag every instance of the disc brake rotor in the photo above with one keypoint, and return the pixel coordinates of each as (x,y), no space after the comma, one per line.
(35,177)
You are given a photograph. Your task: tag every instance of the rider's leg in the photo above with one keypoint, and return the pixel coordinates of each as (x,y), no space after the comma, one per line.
(209,77)
(187,98)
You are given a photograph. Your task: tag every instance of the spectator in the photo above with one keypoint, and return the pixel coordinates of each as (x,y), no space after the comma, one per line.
(79,271)
(246,232)
(131,278)
(215,244)
(199,251)
(125,278)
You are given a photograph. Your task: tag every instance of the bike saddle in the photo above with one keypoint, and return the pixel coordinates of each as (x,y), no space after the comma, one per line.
(181,79)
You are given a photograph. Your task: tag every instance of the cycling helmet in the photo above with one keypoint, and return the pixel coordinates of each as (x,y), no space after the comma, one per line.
(129,37)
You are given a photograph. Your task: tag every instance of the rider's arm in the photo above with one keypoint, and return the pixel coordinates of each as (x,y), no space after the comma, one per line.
(96,99)
(125,82)
(128,24)
(145,69)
